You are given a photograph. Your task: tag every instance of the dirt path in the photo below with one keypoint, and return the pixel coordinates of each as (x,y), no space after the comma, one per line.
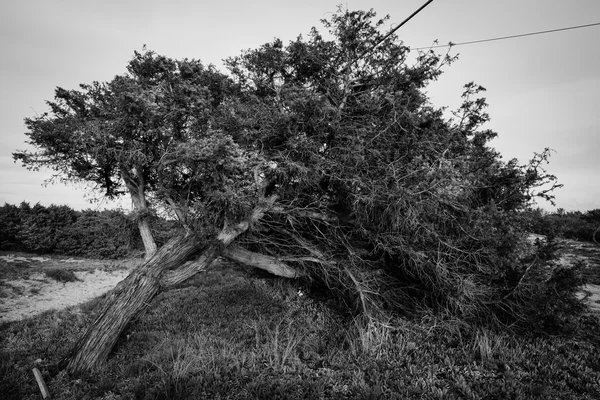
(26,290)
(593,291)
(572,251)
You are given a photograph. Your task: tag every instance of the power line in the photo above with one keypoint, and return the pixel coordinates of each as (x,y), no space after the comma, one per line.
(509,37)
(386,36)
(395,29)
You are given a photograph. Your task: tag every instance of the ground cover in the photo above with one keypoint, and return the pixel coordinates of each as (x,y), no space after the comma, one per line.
(230,333)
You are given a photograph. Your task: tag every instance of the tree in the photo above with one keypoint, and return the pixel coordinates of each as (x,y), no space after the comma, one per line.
(322,158)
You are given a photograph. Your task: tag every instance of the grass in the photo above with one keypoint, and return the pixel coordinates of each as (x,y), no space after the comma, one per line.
(224,335)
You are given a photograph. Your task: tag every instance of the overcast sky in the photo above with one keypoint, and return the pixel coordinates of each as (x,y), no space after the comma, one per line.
(543,91)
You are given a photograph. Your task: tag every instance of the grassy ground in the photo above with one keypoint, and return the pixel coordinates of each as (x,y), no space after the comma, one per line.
(227,335)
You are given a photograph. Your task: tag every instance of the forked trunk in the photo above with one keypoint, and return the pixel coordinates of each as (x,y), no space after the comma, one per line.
(131,296)
(128,299)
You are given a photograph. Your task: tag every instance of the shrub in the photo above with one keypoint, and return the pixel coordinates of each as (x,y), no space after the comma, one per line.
(570,225)
(61,275)
(100,234)
(62,230)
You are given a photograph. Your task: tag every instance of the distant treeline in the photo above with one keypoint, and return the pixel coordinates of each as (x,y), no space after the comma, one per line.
(62,230)
(114,233)
(575,225)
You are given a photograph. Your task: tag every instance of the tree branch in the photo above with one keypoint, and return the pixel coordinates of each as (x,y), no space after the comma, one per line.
(257,260)
(177,210)
(190,268)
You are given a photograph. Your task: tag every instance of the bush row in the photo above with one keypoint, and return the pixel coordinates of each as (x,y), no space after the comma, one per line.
(62,230)
(575,225)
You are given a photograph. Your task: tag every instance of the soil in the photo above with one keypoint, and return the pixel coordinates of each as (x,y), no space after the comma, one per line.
(26,290)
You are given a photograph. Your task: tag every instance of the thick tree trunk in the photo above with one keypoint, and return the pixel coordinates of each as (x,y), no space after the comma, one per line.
(128,299)
(167,267)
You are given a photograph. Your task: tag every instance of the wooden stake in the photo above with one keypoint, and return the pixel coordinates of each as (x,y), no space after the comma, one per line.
(41,383)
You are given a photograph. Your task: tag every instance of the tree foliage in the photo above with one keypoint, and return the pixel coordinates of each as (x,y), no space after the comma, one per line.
(401,206)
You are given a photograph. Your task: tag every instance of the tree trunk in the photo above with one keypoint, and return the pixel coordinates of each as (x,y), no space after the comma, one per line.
(126,300)
(147,238)
(140,205)
(131,296)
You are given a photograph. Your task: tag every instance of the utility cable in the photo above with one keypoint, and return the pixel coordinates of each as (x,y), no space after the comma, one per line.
(508,37)
(364,53)
(394,30)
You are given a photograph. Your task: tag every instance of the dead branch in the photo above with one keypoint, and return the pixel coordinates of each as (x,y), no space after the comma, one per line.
(257,260)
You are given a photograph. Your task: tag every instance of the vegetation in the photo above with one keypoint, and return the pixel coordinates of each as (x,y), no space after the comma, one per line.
(61,275)
(228,335)
(322,160)
(577,225)
(62,230)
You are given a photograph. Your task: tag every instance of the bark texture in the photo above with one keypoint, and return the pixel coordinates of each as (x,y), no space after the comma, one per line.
(135,185)
(126,301)
(268,263)
(147,238)
(167,267)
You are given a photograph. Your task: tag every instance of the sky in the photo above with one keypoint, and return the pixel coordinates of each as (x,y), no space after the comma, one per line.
(543,90)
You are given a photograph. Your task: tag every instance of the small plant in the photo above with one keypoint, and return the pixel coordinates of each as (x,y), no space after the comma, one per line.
(487,345)
(277,345)
(370,337)
(62,275)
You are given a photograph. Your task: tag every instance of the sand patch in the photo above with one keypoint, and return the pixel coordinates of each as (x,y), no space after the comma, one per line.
(26,290)
(39,293)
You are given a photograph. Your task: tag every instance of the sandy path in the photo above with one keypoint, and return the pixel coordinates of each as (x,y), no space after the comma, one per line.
(39,293)
(594,300)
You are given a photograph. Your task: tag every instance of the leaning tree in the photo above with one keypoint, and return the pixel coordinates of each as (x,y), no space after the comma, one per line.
(154,133)
(320,158)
